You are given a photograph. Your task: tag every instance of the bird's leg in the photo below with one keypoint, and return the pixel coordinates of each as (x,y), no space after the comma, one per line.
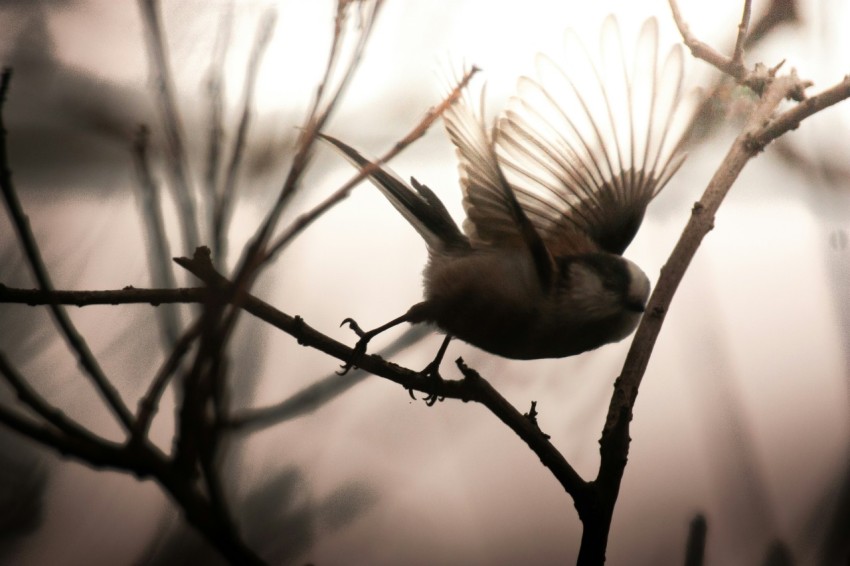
(432,371)
(360,347)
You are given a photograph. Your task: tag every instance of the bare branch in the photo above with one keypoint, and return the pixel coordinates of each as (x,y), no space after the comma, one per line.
(317,117)
(176,154)
(32,399)
(215,98)
(224,198)
(759,130)
(756,79)
(102,454)
(75,341)
(700,223)
(790,119)
(219,321)
(342,193)
(743,29)
(700,50)
(149,403)
(125,296)
(472,388)
(158,254)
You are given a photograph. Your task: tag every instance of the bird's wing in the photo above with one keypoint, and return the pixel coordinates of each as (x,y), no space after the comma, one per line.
(494,216)
(584,146)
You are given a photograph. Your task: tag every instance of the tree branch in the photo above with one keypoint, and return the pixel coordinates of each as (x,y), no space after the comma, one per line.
(790,119)
(75,341)
(303,221)
(597,510)
(176,153)
(125,296)
(472,388)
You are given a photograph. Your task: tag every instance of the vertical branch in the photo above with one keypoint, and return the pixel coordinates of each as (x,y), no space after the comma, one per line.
(597,511)
(176,152)
(149,403)
(215,95)
(303,221)
(158,251)
(743,31)
(223,202)
(695,546)
(223,318)
(317,117)
(75,341)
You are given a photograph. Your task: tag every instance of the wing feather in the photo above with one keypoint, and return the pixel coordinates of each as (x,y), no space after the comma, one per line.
(583,146)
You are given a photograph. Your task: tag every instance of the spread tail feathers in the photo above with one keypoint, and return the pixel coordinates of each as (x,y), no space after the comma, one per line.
(418,204)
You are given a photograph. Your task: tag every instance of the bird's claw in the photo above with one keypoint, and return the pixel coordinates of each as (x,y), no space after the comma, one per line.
(359,348)
(352,324)
(431,372)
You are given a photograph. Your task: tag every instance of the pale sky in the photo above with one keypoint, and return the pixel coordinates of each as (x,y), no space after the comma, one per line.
(743,411)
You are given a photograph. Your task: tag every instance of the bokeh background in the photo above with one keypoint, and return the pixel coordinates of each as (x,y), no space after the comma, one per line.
(742,416)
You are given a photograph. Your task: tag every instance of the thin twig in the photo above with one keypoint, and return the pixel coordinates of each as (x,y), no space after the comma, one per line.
(150,401)
(700,50)
(176,154)
(225,197)
(158,250)
(314,123)
(215,97)
(102,454)
(296,405)
(32,399)
(75,341)
(417,132)
(219,320)
(743,30)
(790,119)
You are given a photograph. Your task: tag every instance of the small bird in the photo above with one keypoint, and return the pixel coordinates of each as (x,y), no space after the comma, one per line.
(554,192)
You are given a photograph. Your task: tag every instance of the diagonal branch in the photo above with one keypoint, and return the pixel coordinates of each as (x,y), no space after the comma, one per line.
(732,66)
(320,112)
(149,403)
(417,132)
(224,197)
(596,513)
(32,399)
(75,341)
(472,388)
(790,119)
(154,223)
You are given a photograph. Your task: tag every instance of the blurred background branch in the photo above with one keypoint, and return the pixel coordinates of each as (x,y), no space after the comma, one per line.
(206,366)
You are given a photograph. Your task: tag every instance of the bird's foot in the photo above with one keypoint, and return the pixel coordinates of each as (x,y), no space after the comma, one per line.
(431,372)
(359,348)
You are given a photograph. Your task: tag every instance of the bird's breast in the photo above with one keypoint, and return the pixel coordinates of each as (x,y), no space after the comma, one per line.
(494,301)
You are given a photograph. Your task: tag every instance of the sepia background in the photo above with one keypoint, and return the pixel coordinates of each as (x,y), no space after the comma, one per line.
(743,414)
